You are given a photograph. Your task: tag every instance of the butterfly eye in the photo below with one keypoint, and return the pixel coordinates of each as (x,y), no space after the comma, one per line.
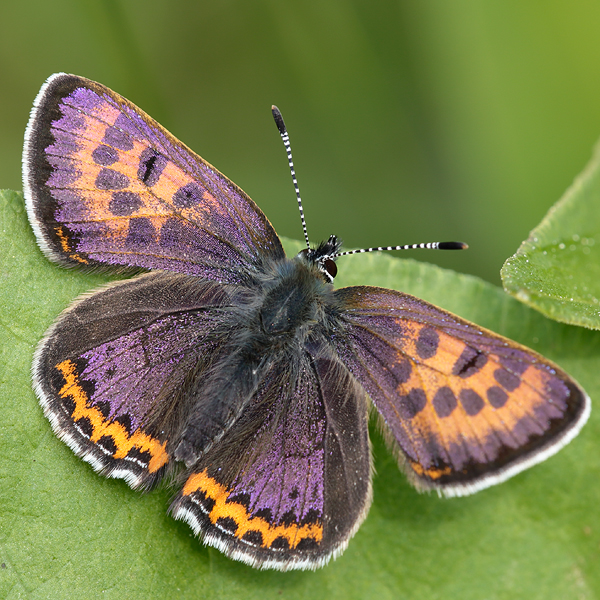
(330,266)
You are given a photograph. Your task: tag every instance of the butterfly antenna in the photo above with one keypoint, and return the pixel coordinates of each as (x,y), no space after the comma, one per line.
(286,142)
(428,246)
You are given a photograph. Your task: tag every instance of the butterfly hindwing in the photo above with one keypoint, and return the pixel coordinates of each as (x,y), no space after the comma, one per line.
(467,408)
(107,185)
(112,372)
(290,482)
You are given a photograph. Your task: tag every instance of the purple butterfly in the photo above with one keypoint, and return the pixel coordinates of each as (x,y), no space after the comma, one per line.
(240,374)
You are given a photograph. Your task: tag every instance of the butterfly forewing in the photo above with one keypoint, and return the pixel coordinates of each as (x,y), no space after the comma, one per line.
(466,407)
(107,185)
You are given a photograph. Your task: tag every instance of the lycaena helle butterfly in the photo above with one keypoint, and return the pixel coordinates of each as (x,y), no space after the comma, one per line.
(243,375)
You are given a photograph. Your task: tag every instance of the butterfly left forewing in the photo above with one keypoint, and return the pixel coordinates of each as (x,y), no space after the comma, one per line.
(466,407)
(105,184)
(290,482)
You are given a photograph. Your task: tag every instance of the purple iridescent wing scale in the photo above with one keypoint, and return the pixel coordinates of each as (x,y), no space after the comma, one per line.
(290,482)
(116,395)
(466,407)
(107,185)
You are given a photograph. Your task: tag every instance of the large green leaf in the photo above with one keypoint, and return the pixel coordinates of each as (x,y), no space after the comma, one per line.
(557,269)
(67,532)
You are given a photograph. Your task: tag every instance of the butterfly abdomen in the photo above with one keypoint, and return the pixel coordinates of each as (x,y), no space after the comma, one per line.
(272,327)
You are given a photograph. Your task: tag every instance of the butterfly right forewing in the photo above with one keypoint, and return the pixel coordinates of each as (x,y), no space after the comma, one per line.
(466,407)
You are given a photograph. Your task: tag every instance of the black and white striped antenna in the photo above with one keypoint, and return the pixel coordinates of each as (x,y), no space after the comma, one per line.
(286,142)
(427,246)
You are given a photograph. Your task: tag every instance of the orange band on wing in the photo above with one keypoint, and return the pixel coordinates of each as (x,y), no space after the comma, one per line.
(244,521)
(431,473)
(64,244)
(124,441)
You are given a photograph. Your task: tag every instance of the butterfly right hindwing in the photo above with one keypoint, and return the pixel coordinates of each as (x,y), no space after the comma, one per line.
(290,482)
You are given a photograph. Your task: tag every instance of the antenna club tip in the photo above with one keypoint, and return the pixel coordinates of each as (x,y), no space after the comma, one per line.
(452,246)
(278,120)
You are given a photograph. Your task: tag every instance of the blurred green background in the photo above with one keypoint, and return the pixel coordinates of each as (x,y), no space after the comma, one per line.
(410,121)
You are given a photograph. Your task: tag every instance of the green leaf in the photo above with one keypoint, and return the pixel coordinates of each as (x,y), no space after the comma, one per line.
(67,532)
(557,269)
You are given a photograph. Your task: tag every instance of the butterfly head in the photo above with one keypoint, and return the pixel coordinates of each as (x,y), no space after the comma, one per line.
(323,257)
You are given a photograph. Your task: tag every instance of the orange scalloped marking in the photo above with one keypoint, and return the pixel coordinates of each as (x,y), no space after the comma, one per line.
(124,441)
(239,513)
(64,244)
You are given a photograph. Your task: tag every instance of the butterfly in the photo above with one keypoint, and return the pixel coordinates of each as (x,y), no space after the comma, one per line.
(239,375)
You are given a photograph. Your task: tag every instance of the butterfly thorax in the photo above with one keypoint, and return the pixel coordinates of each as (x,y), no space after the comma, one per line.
(293,300)
(273,325)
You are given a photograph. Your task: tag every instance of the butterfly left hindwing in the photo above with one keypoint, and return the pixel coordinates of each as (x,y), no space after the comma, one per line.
(240,374)
(112,371)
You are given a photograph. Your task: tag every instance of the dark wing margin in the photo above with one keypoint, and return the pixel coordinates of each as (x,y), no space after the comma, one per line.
(289,484)
(110,372)
(465,407)
(105,184)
